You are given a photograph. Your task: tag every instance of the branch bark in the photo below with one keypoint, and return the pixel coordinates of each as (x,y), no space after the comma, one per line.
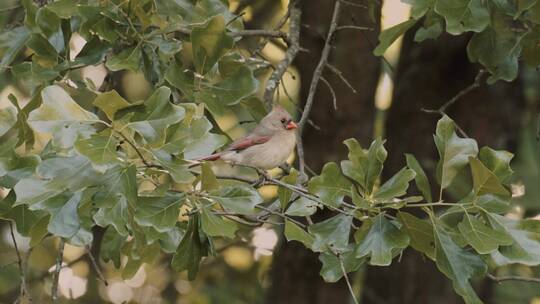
(290,54)
(58,268)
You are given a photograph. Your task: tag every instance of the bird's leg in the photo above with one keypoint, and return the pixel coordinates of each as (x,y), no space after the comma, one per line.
(286,168)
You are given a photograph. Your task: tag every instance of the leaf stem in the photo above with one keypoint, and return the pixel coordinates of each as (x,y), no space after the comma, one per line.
(345,275)
(56,274)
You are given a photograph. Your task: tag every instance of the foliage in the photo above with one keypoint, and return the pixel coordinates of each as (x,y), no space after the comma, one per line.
(102,148)
(503,32)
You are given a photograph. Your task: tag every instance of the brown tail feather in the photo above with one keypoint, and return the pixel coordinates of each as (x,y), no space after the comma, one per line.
(215,156)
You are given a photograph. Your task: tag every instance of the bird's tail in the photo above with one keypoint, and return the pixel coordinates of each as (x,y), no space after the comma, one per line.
(214,156)
(198,161)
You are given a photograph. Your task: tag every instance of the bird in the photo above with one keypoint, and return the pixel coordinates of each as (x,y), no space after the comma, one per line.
(266,147)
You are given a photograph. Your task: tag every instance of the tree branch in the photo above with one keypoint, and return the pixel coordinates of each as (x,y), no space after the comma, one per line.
(317,74)
(100,275)
(334,99)
(321,65)
(346,276)
(22,272)
(56,274)
(290,54)
(512,278)
(442,109)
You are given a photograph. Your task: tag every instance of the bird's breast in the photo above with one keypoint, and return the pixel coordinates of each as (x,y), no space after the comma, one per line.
(268,155)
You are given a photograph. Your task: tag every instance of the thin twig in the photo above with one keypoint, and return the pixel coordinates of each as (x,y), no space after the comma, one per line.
(334,99)
(22,273)
(56,274)
(317,74)
(278,26)
(145,162)
(280,215)
(354,27)
(261,33)
(339,74)
(290,54)
(442,109)
(100,275)
(351,291)
(512,278)
(477,83)
(353,4)
(321,65)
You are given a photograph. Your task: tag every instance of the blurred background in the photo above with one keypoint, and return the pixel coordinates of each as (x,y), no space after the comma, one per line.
(385,100)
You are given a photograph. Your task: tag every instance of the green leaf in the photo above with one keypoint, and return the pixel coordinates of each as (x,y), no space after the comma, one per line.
(422,182)
(484,181)
(208,179)
(100,149)
(497,162)
(192,136)
(11,42)
(159,113)
(35,74)
(180,78)
(24,218)
(419,7)
(355,166)
(115,214)
(388,36)
(525,234)
(454,151)
(303,206)
(190,251)
(214,225)
(38,231)
(240,199)
(64,220)
(294,233)
(463,15)
(42,48)
(332,271)
(330,186)
(8,118)
(209,43)
(128,59)
(110,102)
(331,234)
(54,176)
(497,48)
(63,8)
(285,194)
(110,244)
(481,237)
(420,233)
(376,157)
(93,52)
(161,213)
(379,239)
(228,91)
(363,166)
(396,186)
(50,25)
(178,168)
(60,115)
(122,180)
(457,264)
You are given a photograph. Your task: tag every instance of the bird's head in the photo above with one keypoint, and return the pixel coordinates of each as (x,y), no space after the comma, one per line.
(278,120)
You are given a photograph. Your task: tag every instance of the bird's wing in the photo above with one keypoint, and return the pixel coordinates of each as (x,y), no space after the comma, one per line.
(248,141)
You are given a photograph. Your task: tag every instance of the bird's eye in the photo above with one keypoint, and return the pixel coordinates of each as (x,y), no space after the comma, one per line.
(283,120)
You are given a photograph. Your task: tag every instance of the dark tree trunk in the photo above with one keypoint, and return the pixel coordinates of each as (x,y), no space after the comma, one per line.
(428,75)
(295,273)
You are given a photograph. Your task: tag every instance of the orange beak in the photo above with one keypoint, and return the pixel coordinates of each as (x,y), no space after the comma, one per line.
(291,125)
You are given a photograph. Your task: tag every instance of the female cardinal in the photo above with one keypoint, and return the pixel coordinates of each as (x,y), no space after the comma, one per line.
(267,146)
